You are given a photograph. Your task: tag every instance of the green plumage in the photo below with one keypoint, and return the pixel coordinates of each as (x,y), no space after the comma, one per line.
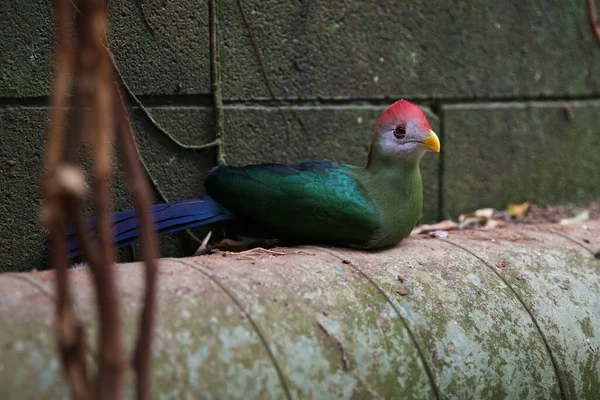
(324,202)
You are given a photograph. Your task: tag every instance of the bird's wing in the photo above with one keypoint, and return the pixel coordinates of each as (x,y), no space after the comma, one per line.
(319,200)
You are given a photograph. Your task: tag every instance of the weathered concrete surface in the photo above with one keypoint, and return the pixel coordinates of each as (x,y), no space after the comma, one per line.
(438,49)
(337,48)
(512,314)
(25,47)
(331,133)
(162,47)
(496,153)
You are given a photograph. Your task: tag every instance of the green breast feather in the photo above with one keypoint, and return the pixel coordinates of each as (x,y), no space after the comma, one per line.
(319,200)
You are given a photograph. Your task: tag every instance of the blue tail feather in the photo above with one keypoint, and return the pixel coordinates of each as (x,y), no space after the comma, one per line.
(168,218)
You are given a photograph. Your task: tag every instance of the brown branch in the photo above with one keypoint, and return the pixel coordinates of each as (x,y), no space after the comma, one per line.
(593,16)
(96,76)
(149,243)
(64,188)
(71,340)
(215,83)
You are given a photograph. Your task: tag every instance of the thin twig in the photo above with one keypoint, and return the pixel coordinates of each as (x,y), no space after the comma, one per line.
(215,83)
(149,243)
(263,70)
(153,121)
(145,111)
(257,53)
(593,16)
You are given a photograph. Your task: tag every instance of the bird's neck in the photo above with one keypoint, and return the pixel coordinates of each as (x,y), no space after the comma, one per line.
(395,188)
(394,179)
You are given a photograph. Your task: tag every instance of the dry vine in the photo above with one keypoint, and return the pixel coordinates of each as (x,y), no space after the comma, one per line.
(85,62)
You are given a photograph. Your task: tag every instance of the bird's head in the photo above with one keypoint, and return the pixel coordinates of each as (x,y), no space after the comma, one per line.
(402,134)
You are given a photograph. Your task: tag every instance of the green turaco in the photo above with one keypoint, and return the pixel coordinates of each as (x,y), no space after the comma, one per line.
(369,207)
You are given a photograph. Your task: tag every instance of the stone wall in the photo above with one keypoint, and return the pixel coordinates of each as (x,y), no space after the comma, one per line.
(511,87)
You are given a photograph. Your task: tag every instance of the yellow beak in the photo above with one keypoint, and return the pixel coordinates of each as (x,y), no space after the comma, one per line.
(432,143)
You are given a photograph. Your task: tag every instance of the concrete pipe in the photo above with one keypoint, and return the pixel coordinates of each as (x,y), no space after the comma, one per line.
(507,313)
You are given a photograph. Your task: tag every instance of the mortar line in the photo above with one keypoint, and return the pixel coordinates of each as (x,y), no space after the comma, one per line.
(412,336)
(557,370)
(209,274)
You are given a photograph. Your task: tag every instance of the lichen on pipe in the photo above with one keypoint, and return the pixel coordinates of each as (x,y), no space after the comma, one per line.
(508,313)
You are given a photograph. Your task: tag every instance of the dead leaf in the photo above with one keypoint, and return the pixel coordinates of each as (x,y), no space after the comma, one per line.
(518,210)
(446,225)
(475,219)
(484,213)
(471,222)
(581,217)
(494,223)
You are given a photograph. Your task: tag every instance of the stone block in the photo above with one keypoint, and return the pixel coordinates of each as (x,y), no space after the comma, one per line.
(25,48)
(497,153)
(160,47)
(333,49)
(415,49)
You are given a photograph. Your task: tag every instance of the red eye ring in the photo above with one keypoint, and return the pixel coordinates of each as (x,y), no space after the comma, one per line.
(400,131)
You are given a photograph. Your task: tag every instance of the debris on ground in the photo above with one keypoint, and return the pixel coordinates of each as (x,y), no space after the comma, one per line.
(553,214)
(447,225)
(518,211)
(439,234)
(482,218)
(581,217)
(523,213)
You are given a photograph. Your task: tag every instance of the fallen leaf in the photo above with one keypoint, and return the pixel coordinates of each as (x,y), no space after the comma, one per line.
(446,225)
(484,213)
(475,219)
(471,222)
(494,223)
(518,210)
(581,217)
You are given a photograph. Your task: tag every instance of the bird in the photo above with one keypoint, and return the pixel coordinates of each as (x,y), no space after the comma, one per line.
(371,207)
